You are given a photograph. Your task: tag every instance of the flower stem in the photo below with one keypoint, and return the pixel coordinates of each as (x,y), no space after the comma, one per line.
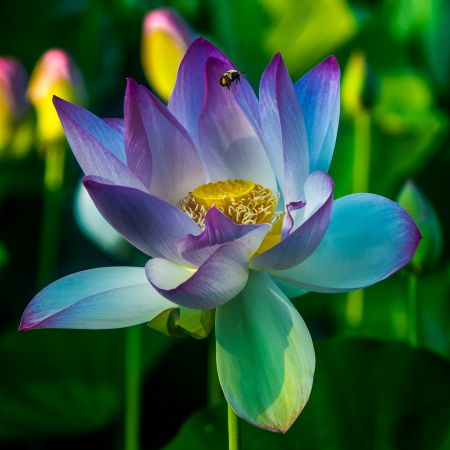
(214,392)
(361,158)
(361,173)
(132,387)
(234,434)
(51,220)
(412,309)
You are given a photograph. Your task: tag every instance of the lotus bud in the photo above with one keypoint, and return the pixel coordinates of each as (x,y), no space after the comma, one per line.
(13,102)
(165,39)
(96,228)
(181,322)
(54,74)
(423,213)
(358,86)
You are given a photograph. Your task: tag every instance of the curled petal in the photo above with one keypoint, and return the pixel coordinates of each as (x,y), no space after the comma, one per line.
(148,222)
(368,239)
(319,97)
(310,225)
(218,230)
(221,277)
(98,147)
(265,356)
(159,150)
(108,297)
(283,128)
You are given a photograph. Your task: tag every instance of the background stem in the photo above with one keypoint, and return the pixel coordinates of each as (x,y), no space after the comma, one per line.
(412,309)
(51,217)
(234,435)
(132,387)
(214,389)
(361,174)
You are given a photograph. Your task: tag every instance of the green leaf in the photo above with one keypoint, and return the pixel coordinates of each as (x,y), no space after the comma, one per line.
(366,395)
(385,311)
(64,381)
(423,213)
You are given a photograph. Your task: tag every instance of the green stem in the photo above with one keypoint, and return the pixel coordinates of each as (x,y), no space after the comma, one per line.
(355,307)
(132,387)
(361,173)
(234,434)
(51,220)
(214,390)
(361,158)
(412,309)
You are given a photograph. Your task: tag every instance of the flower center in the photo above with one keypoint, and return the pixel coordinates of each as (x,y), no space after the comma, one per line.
(243,201)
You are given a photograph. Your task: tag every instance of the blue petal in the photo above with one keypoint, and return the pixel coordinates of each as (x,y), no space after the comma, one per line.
(318,94)
(159,150)
(190,91)
(229,142)
(310,225)
(220,229)
(98,147)
(283,128)
(368,239)
(108,297)
(221,277)
(265,355)
(149,223)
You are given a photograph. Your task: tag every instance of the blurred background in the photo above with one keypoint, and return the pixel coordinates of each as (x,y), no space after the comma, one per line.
(382,377)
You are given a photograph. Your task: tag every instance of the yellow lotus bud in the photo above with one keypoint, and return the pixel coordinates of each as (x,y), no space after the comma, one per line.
(358,87)
(165,39)
(54,74)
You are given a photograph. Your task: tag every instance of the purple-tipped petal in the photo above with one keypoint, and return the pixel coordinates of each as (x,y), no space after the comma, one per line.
(319,97)
(159,150)
(189,94)
(221,277)
(283,128)
(98,147)
(310,225)
(108,297)
(149,223)
(368,239)
(230,145)
(218,230)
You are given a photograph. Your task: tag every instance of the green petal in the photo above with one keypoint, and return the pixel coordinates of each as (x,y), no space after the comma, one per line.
(265,355)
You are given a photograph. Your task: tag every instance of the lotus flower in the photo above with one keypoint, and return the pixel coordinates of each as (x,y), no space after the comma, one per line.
(230,197)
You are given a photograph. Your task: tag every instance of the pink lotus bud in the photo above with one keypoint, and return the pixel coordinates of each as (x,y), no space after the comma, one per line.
(54,74)
(13,85)
(165,39)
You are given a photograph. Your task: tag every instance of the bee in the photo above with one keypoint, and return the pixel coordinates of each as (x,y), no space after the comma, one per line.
(230,77)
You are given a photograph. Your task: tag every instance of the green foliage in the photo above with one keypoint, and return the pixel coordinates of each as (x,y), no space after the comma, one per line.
(57,382)
(366,395)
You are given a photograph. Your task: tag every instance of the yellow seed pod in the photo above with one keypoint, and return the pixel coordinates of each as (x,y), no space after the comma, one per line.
(165,39)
